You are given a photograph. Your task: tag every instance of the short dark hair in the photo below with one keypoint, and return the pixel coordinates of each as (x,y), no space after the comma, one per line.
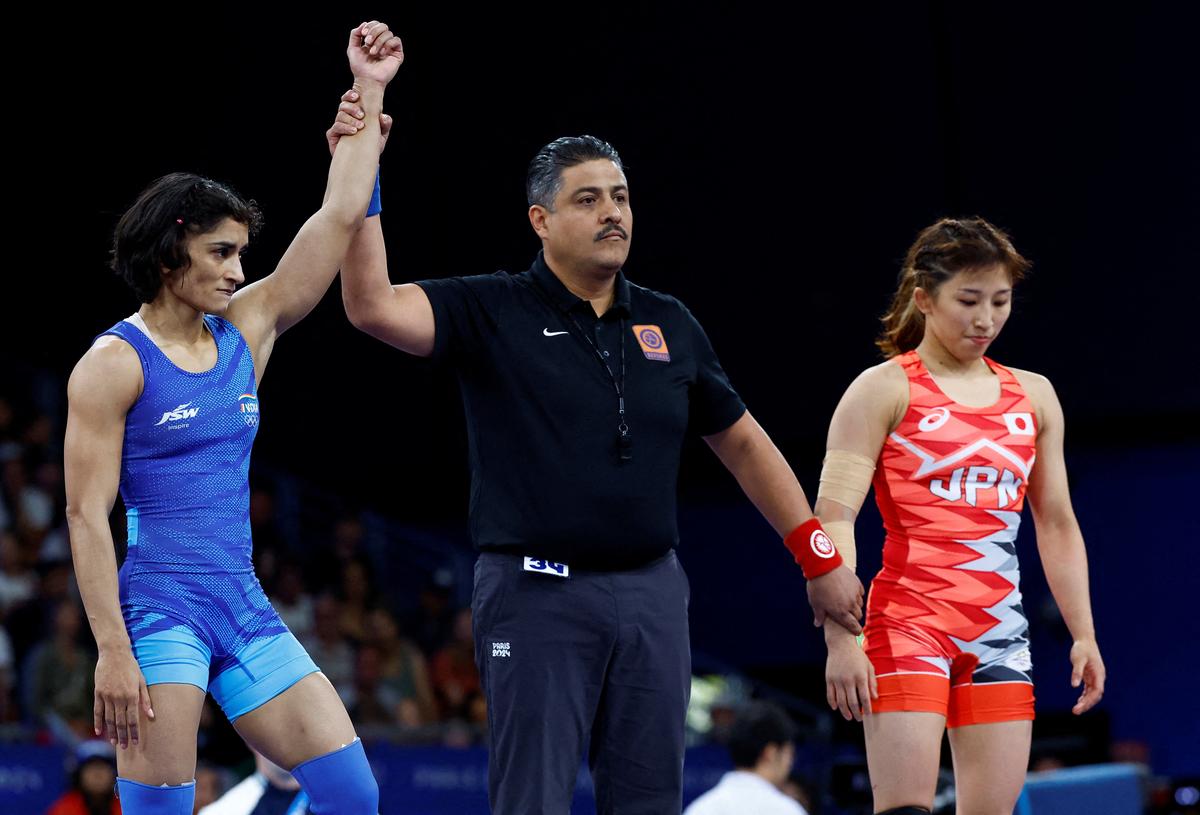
(544,178)
(757,725)
(152,233)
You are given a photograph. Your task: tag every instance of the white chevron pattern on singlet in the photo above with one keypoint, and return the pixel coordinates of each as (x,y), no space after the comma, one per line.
(930,464)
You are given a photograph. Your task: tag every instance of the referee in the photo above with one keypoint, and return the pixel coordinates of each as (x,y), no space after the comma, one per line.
(579,387)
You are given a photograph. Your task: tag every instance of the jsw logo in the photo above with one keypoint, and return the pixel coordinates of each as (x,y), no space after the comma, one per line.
(181,412)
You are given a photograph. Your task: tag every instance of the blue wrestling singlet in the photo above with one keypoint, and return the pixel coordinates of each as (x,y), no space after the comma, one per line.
(193,607)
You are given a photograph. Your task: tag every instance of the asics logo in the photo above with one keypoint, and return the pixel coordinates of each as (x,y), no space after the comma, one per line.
(550,333)
(934,420)
(181,412)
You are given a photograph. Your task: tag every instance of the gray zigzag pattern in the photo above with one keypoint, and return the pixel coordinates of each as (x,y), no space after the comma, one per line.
(1011,634)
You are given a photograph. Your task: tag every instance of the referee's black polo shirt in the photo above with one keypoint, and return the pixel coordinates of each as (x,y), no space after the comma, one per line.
(546,477)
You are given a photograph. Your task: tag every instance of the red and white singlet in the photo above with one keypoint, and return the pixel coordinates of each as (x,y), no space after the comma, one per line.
(945,629)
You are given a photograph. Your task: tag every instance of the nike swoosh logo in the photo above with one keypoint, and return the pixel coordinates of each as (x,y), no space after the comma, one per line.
(550,333)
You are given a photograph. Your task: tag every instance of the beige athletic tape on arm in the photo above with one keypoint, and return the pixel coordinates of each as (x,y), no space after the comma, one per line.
(842,533)
(845,479)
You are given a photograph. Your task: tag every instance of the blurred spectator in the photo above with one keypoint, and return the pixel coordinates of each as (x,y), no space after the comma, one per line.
(797,788)
(10,450)
(18,581)
(56,544)
(8,680)
(7,430)
(271,789)
(723,713)
(1130,751)
(39,439)
(403,670)
(1046,763)
(33,621)
(31,508)
(61,676)
(369,701)
(92,783)
(294,604)
(328,649)
(458,735)
(455,677)
(357,596)
(760,743)
(210,785)
(263,523)
(349,536)
(269,548)
(217,742)
(432,624)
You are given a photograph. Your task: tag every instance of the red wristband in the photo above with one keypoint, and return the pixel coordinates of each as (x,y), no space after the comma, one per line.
(813,549)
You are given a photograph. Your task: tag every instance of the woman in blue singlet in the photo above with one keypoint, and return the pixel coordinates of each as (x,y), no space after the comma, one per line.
(164,407)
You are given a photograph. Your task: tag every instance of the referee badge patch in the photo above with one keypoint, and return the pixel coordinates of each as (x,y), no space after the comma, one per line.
(654,345)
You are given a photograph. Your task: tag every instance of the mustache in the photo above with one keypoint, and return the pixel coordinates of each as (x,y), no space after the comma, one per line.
(604,233)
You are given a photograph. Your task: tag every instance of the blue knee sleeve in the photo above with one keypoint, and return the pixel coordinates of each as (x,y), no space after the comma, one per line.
(339,782)
(143,799)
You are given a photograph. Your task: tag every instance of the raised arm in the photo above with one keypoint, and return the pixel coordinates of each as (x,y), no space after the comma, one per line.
(1060,542)
(267,308)
(768,481)
(400,315)
(870,408)
(104,385)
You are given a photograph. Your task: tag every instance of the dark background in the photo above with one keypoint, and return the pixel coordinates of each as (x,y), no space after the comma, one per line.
(780,163)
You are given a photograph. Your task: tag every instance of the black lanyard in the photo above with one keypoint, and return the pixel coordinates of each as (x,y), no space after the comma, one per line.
(624,440)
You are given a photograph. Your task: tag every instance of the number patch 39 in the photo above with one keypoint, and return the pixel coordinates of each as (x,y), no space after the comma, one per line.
(547,567)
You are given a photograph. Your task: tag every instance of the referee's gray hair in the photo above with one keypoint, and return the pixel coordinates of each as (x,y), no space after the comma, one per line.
(544,178)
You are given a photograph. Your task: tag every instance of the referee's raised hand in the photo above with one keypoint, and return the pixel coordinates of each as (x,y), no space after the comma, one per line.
(349,120)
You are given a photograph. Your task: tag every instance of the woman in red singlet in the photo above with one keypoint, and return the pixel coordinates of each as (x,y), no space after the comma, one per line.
(952,443)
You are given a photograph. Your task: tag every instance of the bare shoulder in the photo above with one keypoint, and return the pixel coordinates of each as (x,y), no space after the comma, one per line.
(1030,380)
(878,395)
(870,408)
(884,384)
(1041,393)
(886,377)
(1038,386)
(109,372)
(246,312)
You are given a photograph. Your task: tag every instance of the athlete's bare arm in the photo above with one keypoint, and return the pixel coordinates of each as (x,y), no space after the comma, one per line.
(102,388)
(267,308)
(1060,541)
(764,475)
(871,408)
